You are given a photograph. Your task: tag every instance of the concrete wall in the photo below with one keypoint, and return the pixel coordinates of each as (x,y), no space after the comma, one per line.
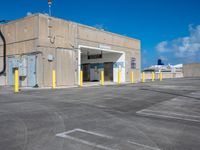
(21,38)
(57,38)
(21,35)
(65,67)
(57,33)
(166,75)
(191,70)
(43,35)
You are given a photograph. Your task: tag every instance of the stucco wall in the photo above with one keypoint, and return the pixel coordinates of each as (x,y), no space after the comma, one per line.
(21,38)
(21,35)
(191,70)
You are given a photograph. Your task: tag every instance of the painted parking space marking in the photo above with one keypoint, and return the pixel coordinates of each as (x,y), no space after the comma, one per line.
(195,94)
(145,146)
(88,143)
(163,114)
(173,87)
(68,136)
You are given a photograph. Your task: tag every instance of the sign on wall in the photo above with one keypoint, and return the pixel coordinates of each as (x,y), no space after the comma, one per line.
(133,63)
(119,65)
(96,56)
(103,46)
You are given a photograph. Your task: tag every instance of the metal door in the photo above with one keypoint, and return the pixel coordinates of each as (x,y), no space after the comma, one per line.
(108,71)
(10,72)
(31,70)
(86,72)
(94,72)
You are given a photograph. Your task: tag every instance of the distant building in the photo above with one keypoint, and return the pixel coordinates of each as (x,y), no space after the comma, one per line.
(165,68)
(168,71)
(160,63)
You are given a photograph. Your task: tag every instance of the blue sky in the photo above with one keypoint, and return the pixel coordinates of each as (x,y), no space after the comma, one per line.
(168,29)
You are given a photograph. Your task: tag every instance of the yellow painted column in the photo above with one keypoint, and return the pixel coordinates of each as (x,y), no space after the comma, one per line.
(153,76)
(161,76)
(119,76)
(102,78)
(16,81)
(81,78)
(143,77)
(53,79)
(132,77)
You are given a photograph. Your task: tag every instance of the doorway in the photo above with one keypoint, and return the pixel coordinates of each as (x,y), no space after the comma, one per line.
(32,70)
(108,71)
(86,72)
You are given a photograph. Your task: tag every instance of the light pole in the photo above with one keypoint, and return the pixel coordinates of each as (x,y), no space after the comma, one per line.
(49,3)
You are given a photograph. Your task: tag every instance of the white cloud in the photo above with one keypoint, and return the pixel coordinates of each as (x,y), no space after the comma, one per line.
(145,56)
(183,47)
(162,46)
(163,58)
(100,26)
(29,13)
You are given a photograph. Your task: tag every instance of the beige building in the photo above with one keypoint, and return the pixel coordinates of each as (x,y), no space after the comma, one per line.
(38,44)
(191,70)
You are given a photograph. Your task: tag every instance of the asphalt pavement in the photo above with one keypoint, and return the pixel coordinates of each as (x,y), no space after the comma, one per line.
(144,116)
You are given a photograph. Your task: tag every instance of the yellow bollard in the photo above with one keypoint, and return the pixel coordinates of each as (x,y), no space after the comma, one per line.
(161,76)
(143,77)
(119,77)
(132,77)
(16,81)
(81,78)
(153,76)
(102,78)
(53,79)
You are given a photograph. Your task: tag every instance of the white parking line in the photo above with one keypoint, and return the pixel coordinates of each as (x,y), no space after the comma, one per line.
(66,135)
(168,115)
(145,146)
(88,143)
(184,115)
(84,131)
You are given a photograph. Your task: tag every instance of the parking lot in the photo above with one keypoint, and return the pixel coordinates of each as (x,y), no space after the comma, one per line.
(144,116)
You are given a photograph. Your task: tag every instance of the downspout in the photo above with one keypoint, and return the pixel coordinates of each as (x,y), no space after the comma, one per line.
(4,53)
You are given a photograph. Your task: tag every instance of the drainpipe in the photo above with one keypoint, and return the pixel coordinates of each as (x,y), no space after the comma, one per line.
(4,53)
